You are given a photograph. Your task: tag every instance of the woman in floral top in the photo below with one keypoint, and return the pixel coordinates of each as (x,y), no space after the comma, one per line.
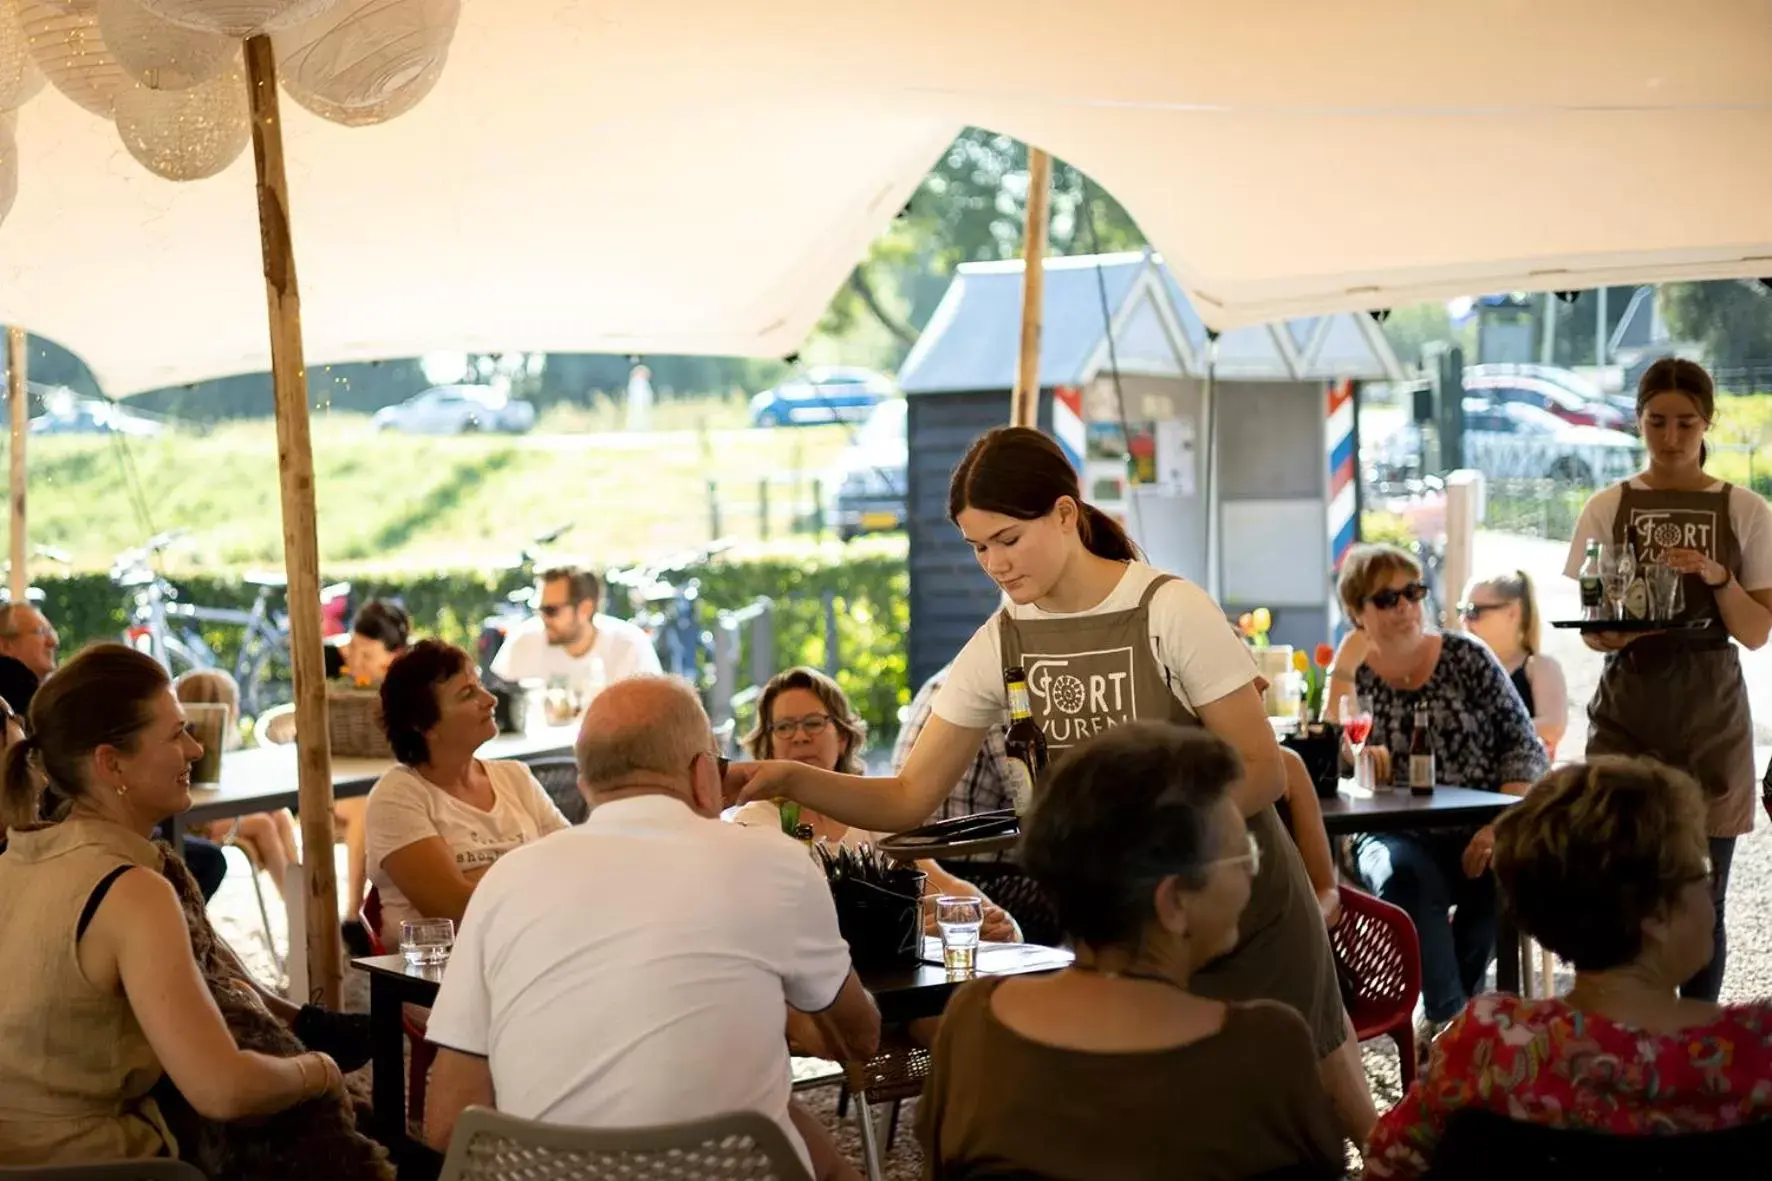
(1483,738)
(1606,865)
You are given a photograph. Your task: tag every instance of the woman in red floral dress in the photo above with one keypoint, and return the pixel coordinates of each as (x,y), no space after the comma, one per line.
(1605,864)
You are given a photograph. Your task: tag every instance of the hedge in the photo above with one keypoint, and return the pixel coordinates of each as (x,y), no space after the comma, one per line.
(871,599)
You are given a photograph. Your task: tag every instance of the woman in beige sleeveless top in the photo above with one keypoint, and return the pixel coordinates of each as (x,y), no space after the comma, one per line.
(103,996)
(1105,639)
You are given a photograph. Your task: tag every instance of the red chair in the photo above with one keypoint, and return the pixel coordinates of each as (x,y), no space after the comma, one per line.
(423,1052)
(1380,957)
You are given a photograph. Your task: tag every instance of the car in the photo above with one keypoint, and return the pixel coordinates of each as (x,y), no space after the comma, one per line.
(1516,441)
(1557,391)
(457,410)
(93,416)
(872,475)
(824,395)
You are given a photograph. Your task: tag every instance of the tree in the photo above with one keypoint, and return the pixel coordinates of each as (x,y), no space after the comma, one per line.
(1732,318)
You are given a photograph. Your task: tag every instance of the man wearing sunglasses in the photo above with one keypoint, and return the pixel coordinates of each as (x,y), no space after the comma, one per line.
(571,639)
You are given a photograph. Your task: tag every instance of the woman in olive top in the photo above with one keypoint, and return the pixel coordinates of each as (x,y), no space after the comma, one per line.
(1106,640)
(1677,695)
(103,995)
(1116,1067)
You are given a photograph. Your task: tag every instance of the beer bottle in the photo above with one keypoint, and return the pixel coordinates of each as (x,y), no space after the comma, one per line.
(1421,756)
(1025,743)
(1593,585)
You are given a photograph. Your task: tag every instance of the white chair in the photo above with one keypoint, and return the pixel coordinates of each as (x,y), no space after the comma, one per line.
(744,1146)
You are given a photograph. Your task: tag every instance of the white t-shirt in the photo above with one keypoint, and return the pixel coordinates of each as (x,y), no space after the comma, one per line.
(1189,635)
(621,648)
(404,809)
(634,970)
(1749,517)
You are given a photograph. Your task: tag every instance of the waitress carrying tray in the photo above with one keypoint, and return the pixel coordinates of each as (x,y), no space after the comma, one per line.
(961,836)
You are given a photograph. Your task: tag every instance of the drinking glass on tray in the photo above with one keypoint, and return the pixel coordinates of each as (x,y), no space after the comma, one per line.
(1356,723)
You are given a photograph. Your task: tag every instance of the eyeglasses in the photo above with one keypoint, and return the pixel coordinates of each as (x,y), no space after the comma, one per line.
(812,724)
(1387,599)
(549,610)
(1252,857)
(1477,610)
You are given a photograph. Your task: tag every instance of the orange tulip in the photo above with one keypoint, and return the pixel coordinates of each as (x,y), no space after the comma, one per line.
(1246,624)
(1325,656)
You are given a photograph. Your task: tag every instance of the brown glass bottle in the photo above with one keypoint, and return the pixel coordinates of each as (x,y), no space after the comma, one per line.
(1421,757)
(1025,742)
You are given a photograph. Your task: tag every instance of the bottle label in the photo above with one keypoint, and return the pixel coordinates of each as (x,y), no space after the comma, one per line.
(1021,784)
(1636,599)
(1593,592)
(1421,770)
(1019,706)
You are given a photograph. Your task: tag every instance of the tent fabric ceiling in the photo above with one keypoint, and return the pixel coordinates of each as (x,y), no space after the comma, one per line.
(698,177)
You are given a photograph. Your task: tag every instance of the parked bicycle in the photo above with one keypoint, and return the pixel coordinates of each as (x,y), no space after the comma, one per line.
(172,633)
(667,607)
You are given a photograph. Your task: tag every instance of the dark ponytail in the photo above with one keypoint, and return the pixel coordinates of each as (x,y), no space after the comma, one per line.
(1021,473)
(20,788)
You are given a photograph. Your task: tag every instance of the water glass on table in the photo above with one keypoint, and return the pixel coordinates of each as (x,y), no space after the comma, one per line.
(426,943)
(960,919)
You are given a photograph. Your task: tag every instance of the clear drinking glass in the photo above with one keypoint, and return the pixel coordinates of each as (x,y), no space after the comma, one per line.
(1664,592)
(1356,723)
(1616,566)
(426,942)
(960,920)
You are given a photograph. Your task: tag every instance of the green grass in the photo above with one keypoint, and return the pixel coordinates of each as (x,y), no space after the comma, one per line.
(401,502)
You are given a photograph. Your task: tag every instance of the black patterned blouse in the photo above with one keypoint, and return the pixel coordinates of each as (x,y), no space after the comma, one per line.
(1483,736)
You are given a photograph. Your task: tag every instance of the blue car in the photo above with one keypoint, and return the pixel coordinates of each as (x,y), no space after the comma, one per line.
(824,395)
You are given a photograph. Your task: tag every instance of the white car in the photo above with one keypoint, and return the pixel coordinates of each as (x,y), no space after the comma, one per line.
(457,410)
(872,476)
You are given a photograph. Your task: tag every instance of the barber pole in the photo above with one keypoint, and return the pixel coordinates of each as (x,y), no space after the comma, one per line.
(1067,424)
(1343,471)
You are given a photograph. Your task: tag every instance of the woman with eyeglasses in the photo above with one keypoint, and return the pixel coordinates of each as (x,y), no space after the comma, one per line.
(1106,639)
(1503,613)
(1483,738)
(1605,864)
(1118,1066)
(804,716)
(1678,694)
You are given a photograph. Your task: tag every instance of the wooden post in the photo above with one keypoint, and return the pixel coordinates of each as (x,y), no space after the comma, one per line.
(1024,404)
(19,396)
(301,546)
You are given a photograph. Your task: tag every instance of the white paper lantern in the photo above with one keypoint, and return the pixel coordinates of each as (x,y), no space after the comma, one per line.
(8,165)
(19,77)
(393,107)
(186,134)
(236,18)
(364,54)
(159,54)
(72,55)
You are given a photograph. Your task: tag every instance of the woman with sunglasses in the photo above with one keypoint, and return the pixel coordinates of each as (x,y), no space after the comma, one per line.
(1106,639)
(1483,738)
(1678,695)
(1503,613)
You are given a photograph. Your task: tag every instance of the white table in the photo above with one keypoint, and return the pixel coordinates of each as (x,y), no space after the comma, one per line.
(266,779)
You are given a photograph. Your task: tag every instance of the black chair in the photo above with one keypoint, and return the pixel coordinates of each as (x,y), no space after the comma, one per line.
(1484,1146)
(559,778)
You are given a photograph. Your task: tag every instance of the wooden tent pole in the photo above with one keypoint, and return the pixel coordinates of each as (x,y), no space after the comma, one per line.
(1024,404)
(19,397)
(301,546)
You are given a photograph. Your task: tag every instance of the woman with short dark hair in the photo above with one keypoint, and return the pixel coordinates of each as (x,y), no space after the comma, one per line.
(1115,1067)
(1606,864)
(438,821)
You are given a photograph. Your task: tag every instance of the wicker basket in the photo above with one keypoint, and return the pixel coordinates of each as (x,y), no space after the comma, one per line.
(353,719)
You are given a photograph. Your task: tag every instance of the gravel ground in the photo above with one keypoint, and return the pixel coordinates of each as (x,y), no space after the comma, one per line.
(1750,925)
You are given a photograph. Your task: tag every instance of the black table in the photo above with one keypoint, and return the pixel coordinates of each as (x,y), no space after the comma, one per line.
(1355,810)
(903,994)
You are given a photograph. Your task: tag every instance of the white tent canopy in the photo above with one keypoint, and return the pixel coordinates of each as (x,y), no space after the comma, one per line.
(698,177)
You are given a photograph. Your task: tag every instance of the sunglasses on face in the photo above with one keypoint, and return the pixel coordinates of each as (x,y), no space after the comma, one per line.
(1387,599)
(549,610)
(1470,611)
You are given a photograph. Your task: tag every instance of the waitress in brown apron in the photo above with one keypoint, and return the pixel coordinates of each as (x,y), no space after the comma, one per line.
(1105,639)
(1677,695)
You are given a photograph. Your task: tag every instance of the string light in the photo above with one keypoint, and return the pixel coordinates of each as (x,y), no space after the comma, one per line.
(186,134)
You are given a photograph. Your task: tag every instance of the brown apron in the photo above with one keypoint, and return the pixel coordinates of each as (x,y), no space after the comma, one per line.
(1679,697)
(1087,673)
